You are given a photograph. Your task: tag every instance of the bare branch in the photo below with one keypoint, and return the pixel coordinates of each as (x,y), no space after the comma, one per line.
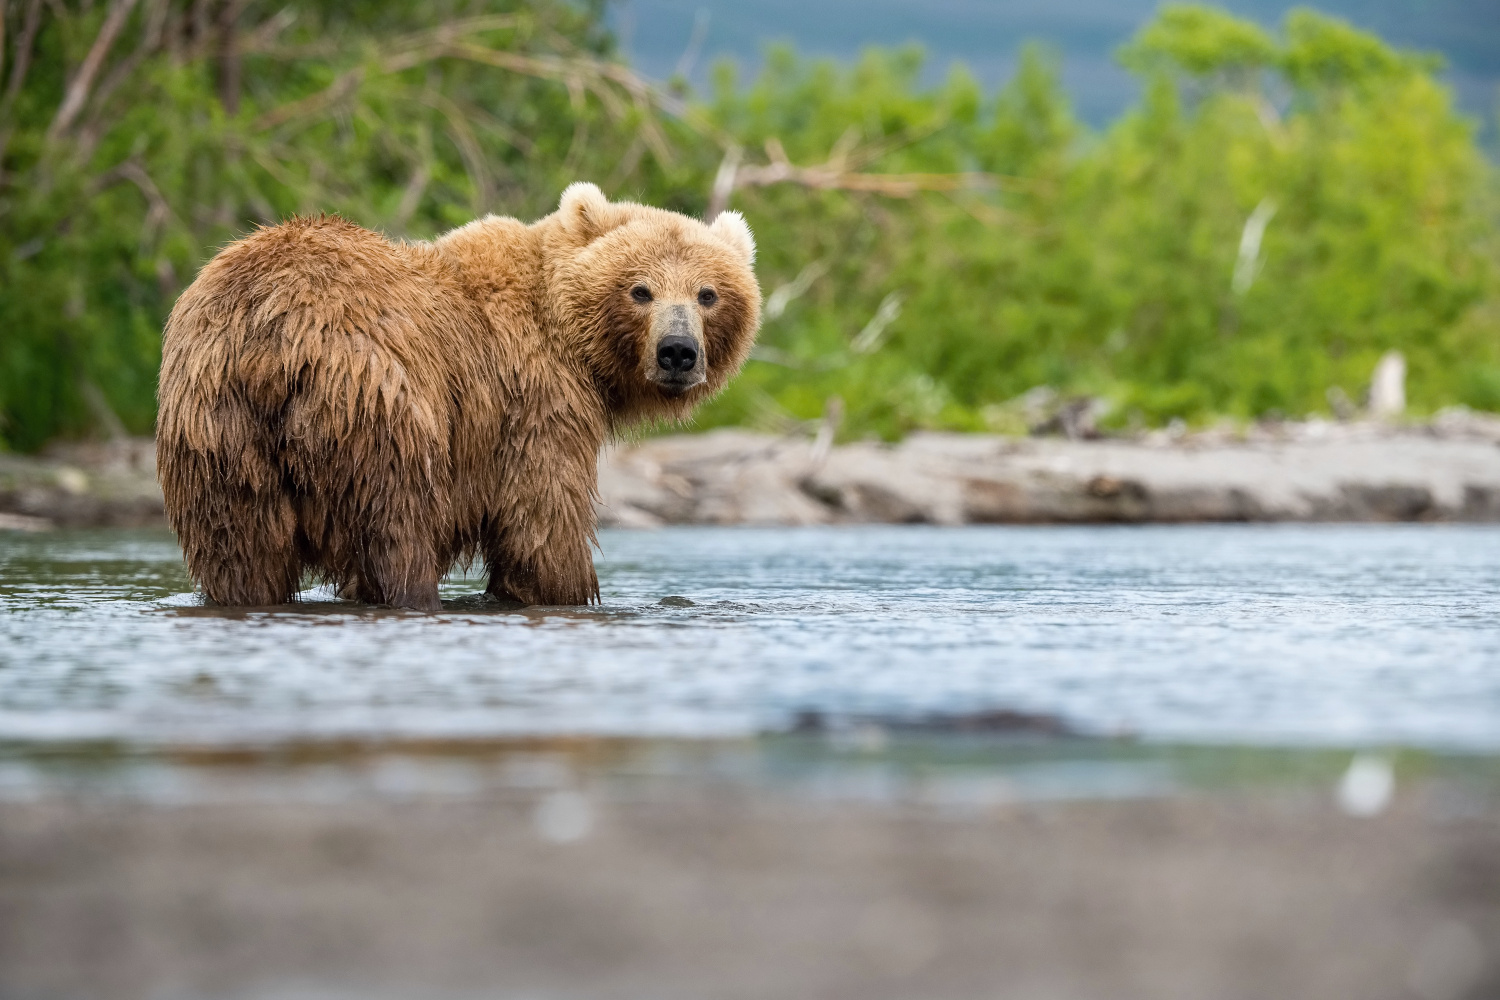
(627,165)
(652,133)
(78,91)
(24,45)
(27,39)
(454,30)
(474,113)
(580,75)
(593,71)
(154,14)
(267,161)
(831,176)
(411,197)
(342,86)
(4,13)
(259,41)
(468,146)
(718,196)
(132,171)
(229,55)
(578,100)
(99,408)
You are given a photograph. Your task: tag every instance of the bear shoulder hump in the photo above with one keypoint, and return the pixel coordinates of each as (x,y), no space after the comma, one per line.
(325,253)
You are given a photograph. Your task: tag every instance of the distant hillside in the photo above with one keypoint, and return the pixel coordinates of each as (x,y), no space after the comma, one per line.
(985,35)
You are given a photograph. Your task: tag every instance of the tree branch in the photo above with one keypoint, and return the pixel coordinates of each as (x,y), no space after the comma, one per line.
(724,183)
(229,56)
(130,170)
(468,147)
(342,86)
(4,13)
(89,132)
(832,176)
(78,91)
(24,43)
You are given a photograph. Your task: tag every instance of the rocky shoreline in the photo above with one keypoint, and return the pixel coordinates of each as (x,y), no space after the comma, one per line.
(1445,470)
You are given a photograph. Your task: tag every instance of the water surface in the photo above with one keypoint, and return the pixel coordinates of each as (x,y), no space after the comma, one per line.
(1302,635)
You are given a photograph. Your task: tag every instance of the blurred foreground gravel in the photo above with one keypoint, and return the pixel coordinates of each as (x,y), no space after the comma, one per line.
(739,893)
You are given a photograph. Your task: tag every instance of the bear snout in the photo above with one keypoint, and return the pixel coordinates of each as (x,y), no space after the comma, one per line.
(677,354)
(678,349)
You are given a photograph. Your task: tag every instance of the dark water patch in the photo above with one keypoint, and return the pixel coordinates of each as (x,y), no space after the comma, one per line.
(994,722)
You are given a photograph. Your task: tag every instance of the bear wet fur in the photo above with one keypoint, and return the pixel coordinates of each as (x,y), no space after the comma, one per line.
(372,412)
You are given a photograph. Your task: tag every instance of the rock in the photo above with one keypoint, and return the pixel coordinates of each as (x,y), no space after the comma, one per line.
(109,484)
(1446,470)
(1286,471)
(20,522)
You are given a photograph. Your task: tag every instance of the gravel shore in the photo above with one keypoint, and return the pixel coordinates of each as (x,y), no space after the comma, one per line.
(743,894)
(1445,470)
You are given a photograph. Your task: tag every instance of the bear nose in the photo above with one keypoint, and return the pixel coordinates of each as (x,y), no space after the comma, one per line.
(677,354)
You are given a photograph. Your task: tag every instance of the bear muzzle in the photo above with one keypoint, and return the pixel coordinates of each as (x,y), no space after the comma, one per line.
(676,360)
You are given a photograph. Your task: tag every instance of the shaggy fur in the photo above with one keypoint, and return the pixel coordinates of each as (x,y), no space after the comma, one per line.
(373,412)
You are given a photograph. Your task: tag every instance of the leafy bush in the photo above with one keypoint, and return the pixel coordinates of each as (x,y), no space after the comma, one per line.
(135,139)
(1273,216)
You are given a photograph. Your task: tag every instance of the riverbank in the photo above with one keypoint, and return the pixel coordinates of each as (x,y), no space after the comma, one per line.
(556,884)
(1445,470)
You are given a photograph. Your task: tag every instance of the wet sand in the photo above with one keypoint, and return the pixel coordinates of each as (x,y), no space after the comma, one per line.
(734,892)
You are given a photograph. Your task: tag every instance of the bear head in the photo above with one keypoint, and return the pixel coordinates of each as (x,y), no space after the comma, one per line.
(665,307)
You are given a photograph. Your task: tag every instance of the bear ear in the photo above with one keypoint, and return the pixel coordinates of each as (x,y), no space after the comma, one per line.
(583,210)
(732,229)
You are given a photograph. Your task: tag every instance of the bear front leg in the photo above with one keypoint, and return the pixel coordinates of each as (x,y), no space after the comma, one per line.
(555,574)
(539,550)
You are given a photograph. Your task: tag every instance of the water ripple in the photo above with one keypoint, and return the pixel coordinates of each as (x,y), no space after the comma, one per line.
(1309,634)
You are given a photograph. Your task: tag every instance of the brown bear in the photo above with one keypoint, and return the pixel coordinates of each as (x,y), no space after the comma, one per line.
(373,412)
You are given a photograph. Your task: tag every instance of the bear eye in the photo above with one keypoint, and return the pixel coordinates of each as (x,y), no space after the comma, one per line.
(641,294)
(707,297)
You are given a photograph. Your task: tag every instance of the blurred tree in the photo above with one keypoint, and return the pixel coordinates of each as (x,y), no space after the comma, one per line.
(138,135)
(1272,217)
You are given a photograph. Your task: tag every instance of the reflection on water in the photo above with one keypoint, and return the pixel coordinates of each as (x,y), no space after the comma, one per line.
(1325,635)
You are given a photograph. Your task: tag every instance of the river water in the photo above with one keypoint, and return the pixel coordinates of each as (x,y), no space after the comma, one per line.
(1375,636)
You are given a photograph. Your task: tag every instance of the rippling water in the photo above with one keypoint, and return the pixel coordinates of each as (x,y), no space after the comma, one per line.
(1286,635)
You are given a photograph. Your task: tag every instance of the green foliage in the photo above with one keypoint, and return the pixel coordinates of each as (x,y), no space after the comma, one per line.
(1271,218)
(1200,40)
(205,118)
(1275,213)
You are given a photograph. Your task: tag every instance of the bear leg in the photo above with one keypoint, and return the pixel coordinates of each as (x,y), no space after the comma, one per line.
(242,549)
(270,574)
(559,575)
(393,574)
